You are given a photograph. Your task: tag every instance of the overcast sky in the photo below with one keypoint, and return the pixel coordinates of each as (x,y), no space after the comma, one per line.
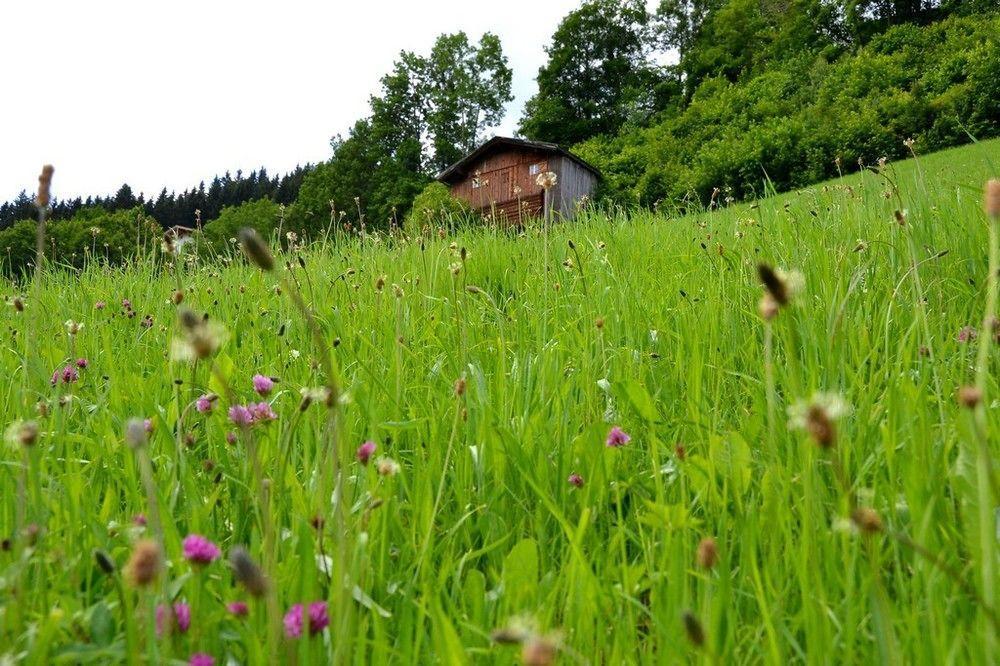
(166,94)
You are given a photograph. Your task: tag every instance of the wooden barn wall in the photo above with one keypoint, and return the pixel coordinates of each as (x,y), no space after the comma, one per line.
(501,173)
(574,183)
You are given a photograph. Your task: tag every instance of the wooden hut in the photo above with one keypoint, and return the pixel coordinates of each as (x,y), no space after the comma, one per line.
(499,179)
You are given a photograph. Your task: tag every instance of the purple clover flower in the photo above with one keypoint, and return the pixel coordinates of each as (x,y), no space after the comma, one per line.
(199,550)
(263,385)
(366,451)
(182,618)
(617,438)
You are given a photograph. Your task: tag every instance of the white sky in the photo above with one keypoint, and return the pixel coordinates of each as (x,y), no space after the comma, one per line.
(171,92)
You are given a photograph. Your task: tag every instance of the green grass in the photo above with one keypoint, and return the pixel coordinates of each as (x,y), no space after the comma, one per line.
(481,527)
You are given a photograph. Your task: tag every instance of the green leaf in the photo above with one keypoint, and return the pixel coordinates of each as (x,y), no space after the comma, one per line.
(668,516)
(102,625)
(637,396)
(520,571)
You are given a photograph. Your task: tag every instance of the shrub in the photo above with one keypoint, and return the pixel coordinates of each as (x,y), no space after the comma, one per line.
(92,233)
(787,125)
(262,215)
(436,207)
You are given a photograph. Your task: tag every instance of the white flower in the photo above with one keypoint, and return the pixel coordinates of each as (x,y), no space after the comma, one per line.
(547,180)
(832,405)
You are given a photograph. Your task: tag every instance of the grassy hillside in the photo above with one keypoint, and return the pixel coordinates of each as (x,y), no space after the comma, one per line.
(491,368)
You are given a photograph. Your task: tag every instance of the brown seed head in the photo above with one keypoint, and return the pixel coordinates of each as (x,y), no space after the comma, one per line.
(509,636)
(708,553)
(246,571)
(460,386)
(768,307)
(177,297)
(692,627)
(18,304)
(27,433)
(866,520)
(599,323)
(144,564)
(104,561)
(969,396)
(991,198)
(773,283)
(256,249)
(538,651)
(821,427)
(44,185)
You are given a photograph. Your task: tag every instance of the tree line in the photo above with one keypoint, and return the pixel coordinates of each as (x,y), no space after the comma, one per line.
(171,208)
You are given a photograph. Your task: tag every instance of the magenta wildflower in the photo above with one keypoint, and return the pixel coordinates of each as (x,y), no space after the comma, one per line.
(204,404)
(182,618)
(575,480)
(147,321)
(201,659)
(262,412)
(199,550)
(318,619)
(238,608)
(139,519)
(82,363)
(366,451)
(967,334)
(231,437)
(147,425)
(68,375)
(100,305)
(263,385)
(617,437)
(240,415)
(127,304)
(293,621)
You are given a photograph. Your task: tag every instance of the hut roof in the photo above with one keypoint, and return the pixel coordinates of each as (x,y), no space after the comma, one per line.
(460,169)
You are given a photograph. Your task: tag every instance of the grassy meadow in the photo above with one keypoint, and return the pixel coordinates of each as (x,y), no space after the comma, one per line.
(493,523)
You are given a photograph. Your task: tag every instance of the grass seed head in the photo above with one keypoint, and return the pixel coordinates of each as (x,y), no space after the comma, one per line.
(775,286)
(538,651)
(991,198)
(866,520)
(136,434)
(708,553)
(104,561)
(256,249)
(818,417)
(969,396)
(44,196)
(23,433)
(693,629)
(768,307)
(246,571)
(145,563)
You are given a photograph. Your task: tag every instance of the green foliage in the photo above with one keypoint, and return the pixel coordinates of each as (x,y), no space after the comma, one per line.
(447,98)
(598,75)
(92,233)
(359,186)
(262,215)
(787,126)
(436,207)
